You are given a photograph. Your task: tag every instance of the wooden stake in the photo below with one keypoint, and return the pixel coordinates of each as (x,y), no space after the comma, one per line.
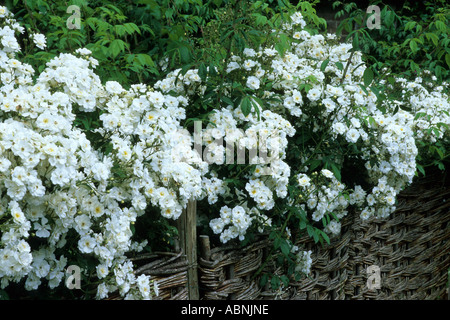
(187,228)
(206,247)
(231,275)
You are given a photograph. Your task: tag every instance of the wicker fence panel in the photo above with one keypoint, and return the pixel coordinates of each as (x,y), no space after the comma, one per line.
(330,268)
(169,270)
(227,274)
(411,249)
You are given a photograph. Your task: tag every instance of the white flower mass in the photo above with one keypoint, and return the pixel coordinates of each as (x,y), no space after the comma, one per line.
(53,180)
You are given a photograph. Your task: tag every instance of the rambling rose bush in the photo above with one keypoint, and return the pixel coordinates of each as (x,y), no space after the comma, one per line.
(315,101)
(59,194)
(325,145)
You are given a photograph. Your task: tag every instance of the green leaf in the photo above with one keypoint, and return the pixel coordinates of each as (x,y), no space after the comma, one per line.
(441,26)
(184,53)
(314,164)
(302,224)
(257,103)
(395,110)
(376,92)
(212,70)
(439,151)
(116,47)
(87,123)
(227,100)
(283,44)
(4,295)
(145,59)
(391,80)
(339,65)
(368,77)
(325,237)
(356,41)
(389,18)
(442,124)
(410,25)
(324,65)
(264,279)
(275,282)
(336,171)
(260,19)
(413,45)
(310,230)
(120,30)
(92,23)
(202,72)
(433,37)
(246,106)
(285,248)
(316,236)
(372,121)
(169,13)
(363,88)
(324,221)
(131,28)
(420,168)
(237,85)
(419,115)
(447,59)
(285,280)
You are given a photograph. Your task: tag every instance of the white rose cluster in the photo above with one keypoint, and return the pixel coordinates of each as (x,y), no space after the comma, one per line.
(56,186)
(331,101)
(303,262)
(323,194)
(334,103)
(232,223)
(338,102)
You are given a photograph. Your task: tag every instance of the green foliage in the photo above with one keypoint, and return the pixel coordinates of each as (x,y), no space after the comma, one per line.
(105,30)
(129,39)
(411,39)
(238,25)
(141,40)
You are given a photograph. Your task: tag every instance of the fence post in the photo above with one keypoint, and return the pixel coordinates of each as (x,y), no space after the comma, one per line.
(187,228)
(448,285)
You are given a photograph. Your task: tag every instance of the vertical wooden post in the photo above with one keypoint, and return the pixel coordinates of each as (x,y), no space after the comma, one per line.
(448,288)
(231,275)
(206,247)
(187,228)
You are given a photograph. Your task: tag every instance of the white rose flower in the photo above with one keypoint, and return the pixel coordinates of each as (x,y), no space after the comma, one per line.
(39,40)
(253,83)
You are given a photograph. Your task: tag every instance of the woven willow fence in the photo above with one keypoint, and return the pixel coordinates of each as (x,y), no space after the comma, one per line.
(410,250)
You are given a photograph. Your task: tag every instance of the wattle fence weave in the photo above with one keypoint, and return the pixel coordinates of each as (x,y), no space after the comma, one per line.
(411,248)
